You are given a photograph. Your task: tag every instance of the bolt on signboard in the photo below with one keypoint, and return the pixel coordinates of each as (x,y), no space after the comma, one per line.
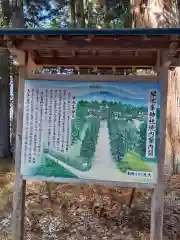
(103,131)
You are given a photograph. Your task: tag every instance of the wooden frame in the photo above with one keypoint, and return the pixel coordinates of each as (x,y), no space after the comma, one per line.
(27,64)
(119,49)
(93,78)
(158,194)
(86,181)
(20,183)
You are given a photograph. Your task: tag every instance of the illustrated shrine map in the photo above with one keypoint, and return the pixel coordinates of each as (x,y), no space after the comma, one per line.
(91,130)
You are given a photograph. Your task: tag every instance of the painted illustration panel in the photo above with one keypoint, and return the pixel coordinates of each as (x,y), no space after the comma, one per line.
(97,131)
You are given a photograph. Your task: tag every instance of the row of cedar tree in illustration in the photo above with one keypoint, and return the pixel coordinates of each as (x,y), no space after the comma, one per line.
(122,139)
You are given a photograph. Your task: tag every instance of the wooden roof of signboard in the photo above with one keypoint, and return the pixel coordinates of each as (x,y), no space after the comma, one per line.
(87,48)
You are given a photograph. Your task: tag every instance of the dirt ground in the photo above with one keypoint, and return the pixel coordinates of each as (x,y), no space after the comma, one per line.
(87,212)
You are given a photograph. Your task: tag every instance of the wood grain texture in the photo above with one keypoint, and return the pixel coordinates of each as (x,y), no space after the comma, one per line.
(93,78)
(91,181)
(158,194)
(20,183)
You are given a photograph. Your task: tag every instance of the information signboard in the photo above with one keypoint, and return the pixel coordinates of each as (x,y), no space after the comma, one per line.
(91,130)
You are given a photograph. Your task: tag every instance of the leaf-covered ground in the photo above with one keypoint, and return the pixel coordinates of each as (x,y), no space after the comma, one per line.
(88,212)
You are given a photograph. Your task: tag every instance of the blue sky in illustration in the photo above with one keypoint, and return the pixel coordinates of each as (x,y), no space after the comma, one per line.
(129,85)
(134,93)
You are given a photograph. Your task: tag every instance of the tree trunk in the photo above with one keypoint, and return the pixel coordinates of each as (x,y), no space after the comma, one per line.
(12,12)
(17,20)
(73,17)
(157,15)
(79,10)
(4,104)
(5,150)
(17,17)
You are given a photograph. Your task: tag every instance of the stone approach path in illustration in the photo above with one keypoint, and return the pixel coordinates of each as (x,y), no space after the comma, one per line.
(103,167)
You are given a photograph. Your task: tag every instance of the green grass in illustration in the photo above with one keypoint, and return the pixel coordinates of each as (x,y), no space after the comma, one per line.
(52,169)
(132,161)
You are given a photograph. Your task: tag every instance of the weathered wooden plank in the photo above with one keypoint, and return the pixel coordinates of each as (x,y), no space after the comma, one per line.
(105,62)
(120,43)
(93,78)
(158,194)
(20,184)
(91,181)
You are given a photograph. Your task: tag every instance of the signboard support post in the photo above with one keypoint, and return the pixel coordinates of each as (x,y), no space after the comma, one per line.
(132,197)
(158,193)
(20,184)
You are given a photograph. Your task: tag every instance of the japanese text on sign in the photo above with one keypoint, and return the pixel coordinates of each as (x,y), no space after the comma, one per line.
(151,124)
(54,107)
